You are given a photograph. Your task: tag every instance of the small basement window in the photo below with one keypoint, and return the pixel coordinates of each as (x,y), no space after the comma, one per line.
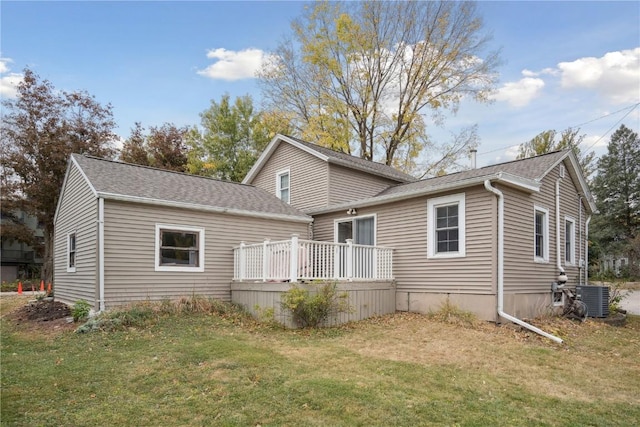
(179,248)
(558,299)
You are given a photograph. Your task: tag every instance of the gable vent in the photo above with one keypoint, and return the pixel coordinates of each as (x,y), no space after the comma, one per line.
(562,169)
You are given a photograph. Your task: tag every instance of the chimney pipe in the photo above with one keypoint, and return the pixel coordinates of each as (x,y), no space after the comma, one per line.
(473,158)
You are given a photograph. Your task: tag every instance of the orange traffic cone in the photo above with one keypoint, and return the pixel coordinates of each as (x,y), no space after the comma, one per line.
(49,289)
(19,288)
(41,285)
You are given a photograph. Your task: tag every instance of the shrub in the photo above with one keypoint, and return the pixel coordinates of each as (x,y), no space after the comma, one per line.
(313,309)
(452,314)
(80,310)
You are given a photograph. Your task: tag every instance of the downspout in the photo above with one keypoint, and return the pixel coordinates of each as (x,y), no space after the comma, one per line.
(101,252)
(580,259)
(558,252)
(501,313)
(586,250)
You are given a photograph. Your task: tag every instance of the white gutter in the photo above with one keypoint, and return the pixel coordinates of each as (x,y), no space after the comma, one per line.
(501,313)
(586,250)
(101,252)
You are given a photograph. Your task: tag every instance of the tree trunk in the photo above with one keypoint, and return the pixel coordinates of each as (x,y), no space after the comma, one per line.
(46,273)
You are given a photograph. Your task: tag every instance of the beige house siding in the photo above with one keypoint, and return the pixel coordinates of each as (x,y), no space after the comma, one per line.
(348,184)
(78,213)
(403,226)
(130,251)
(308,176)
(522,273)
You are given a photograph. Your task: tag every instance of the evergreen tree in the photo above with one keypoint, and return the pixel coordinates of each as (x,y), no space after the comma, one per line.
(616,228)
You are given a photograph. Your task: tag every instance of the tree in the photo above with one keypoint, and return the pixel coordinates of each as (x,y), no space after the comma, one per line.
(231,138)
(364,74)
(40,129)
(617,192)
(546,142)
(164,147)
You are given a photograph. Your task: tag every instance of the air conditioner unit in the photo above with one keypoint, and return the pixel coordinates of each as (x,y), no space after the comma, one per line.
(596,298)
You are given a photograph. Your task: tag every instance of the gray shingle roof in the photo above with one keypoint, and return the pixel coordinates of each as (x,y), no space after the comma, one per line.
(532,168)
(123,179)
(353,162)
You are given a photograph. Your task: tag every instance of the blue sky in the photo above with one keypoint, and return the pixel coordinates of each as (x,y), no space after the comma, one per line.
(565,64)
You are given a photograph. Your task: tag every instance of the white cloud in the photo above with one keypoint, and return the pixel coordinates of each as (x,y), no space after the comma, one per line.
(615,76)
(9,82)
(233,65)
(520,93)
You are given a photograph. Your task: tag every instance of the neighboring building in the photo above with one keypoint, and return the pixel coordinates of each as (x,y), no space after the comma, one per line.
(491,240)
(614,264)
(18,260)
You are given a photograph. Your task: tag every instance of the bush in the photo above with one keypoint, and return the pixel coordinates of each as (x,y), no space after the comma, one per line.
(313,309)
(80,310)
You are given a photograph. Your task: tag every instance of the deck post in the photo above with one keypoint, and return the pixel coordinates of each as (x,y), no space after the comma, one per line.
(265,259)
(294,258)
(241,261)
(349,259)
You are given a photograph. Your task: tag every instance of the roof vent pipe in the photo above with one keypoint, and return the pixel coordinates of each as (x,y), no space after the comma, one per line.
(501,313)
(473,158)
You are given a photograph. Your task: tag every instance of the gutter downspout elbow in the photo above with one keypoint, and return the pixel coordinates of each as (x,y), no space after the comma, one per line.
(501,313)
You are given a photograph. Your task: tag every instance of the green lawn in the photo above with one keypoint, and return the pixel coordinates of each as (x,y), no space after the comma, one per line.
(405,369)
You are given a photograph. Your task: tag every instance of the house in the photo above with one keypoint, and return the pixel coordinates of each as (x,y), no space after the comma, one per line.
(126,233)
(18,260)
(491,240)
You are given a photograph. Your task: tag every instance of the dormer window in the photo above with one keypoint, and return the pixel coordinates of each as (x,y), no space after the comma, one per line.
(283,183)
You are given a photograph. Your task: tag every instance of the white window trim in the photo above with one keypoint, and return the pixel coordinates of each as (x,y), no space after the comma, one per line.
(545,230)
(352,219)
(75,262)
(572,256)
(437,202)
(278,188)
(199,230)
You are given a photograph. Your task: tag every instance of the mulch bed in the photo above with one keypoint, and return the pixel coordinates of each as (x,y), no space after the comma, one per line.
(42,311)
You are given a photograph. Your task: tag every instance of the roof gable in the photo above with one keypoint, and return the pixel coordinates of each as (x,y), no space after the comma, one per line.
(124,181)
(329,156)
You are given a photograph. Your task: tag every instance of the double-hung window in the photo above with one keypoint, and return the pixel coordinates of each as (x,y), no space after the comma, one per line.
(179,248)
(71,252)
(541,234)
(283,185)
(446,226)
(569,241)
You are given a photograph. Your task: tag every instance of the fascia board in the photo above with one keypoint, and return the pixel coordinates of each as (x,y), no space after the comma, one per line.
(508,179)
(203,208)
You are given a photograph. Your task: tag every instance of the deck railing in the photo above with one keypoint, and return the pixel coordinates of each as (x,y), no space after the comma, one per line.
(296,259)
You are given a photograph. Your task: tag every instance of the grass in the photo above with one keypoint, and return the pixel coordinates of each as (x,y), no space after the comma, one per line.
(189,368)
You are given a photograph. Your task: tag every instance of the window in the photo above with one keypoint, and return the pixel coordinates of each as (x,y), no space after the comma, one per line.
(179,248)
(541,234)
(558,298)
(569,241)
(446,225)
(361,229)
(283,185)
(71,252)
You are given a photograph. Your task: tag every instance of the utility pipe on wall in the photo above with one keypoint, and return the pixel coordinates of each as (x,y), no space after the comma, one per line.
(501,313)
